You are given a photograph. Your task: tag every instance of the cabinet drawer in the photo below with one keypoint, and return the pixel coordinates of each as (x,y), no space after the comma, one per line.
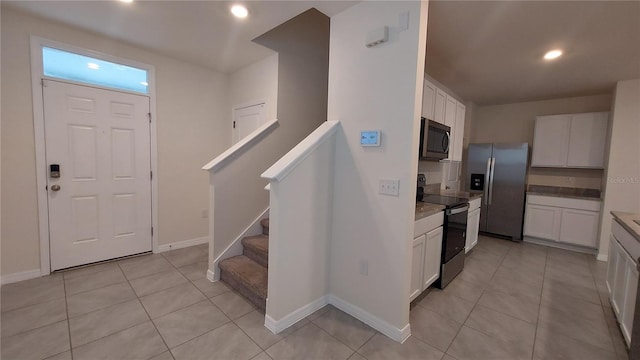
(427,224)
(628,242)
(567,203)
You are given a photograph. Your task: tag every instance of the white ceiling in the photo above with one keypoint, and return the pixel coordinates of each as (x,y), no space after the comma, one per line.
(488,52)
(200,32)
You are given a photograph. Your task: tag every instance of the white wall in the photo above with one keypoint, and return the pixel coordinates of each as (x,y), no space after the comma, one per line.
(256,82)
(192,127)
(375,88)
(622,188)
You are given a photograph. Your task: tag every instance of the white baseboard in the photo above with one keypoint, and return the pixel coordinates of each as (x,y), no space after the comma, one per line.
(20,276)
(603,257)
(559,245)
(183,244)
(397,334)
(277,326)
(212,276)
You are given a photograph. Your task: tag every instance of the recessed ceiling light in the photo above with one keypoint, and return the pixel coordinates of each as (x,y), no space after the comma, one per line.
(93,66)
(553,54)
(239,11)
(126,1)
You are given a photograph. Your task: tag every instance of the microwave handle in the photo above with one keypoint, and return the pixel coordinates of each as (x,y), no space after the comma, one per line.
(446,147)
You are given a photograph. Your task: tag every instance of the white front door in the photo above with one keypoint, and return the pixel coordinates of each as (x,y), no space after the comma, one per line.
(100,205)
(246,120)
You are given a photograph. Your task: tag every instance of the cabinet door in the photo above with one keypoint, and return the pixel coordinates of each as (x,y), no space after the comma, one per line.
(617,298)
(579,227)
(542,221)
(439,105)
(630,292)
(428,100)
(417,266)
(587,138)
(458,134)
(473,225)
(432,253)
(611,265)
(551,141)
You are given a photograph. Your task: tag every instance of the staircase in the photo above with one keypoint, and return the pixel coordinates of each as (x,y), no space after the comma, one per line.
(247,273)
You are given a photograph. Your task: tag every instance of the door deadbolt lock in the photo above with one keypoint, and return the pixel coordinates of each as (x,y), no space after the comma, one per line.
(55,187)
(54,170)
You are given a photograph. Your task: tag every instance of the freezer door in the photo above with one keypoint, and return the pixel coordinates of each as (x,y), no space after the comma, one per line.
(479,157)
(505,210)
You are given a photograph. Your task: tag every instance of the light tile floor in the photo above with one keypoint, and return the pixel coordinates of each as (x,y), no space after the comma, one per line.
(512,301)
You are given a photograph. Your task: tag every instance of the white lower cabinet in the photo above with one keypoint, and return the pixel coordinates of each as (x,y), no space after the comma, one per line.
(622,282)
(417,265)
(473,226)
(425,257)
(432,256)
(569,220)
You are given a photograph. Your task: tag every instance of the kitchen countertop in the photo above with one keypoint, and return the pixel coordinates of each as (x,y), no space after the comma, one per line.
(564,196)
(454,193)
(427,209)
(626,220)
(565,192)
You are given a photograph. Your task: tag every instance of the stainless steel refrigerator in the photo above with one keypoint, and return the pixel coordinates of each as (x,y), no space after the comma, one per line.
(499,171)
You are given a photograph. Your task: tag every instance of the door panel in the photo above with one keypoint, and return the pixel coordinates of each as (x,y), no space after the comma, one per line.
(246,120)
(100,139)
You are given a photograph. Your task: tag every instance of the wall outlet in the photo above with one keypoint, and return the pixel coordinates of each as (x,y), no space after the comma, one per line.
(205,213)
(389,187)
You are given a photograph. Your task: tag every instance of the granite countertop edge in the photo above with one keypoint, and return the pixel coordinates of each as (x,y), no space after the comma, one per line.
(461,194)
(564,196)
(626,220)
(424,210)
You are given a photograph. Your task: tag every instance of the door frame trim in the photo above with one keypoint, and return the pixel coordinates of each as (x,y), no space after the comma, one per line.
(37,74)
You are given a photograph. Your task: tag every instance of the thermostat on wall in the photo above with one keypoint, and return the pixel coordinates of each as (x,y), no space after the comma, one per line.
(370,138)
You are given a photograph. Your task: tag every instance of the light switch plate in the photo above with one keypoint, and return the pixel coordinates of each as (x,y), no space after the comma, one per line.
(389,187)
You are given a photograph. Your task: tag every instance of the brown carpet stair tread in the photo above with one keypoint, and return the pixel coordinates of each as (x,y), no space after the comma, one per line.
(257,243)
(248,273)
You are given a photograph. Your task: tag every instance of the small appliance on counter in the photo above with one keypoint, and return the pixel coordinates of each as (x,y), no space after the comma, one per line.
(422,182)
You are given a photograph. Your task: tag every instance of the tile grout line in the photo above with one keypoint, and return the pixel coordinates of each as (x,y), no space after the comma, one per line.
(535,334)
(475,304)
(66,308)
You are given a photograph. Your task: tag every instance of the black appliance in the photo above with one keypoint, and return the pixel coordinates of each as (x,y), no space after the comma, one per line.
(422,182)
(434,140)
(453,237)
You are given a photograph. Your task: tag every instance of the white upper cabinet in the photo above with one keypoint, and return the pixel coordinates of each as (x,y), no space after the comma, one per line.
(429,100)
(570,140)
(439,106)
(458,134)
(587,139)
(550,139)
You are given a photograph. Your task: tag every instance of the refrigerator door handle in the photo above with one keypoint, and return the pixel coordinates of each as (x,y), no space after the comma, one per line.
(491,176)
(485,196)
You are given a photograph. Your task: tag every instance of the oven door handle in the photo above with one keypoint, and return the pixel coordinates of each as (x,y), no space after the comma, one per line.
(457,210)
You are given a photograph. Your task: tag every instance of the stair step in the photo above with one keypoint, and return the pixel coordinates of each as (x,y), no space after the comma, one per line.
(257,249)
(265,226)
(247,277)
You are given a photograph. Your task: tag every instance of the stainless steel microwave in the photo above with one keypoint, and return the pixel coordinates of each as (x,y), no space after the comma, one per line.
(434,140)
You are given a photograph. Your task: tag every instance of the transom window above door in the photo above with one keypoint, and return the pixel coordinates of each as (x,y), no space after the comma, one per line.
(75,67)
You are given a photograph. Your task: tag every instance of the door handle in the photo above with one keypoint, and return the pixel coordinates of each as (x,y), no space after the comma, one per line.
(55,187)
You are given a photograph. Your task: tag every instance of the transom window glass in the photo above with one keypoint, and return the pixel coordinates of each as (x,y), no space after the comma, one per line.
(69,66)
